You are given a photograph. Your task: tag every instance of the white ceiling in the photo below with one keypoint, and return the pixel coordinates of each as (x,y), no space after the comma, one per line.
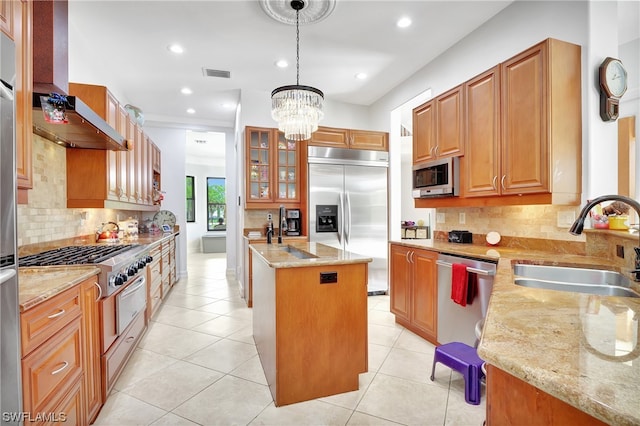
(123,45)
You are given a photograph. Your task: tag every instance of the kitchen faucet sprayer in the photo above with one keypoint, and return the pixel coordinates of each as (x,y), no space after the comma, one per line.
(578,225)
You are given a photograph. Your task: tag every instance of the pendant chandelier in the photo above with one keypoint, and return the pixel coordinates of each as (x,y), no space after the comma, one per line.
(296,108)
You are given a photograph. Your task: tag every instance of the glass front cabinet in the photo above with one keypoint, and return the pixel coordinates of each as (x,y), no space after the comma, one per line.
(272,169)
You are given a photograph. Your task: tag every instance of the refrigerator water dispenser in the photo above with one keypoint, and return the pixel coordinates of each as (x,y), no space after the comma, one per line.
(326,218)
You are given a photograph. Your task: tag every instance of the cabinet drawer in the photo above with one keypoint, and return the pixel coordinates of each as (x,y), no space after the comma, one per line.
(43,321)
(155,300)
(51,369)
(116,357)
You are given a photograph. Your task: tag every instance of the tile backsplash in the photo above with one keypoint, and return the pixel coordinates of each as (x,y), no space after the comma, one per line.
(46,218)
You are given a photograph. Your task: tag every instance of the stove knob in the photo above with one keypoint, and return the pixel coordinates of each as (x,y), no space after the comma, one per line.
(142,263)
(131,270)
(117,280)
(149,259)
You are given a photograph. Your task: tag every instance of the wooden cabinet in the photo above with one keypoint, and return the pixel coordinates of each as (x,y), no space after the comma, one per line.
(7,16)
(523,125)
(21,13)
(110,179)
(481,160)
(349,138)
(414,289)
(438,127)
(511,401)
(273,169)
(53,357)
(154,277)
(89,296)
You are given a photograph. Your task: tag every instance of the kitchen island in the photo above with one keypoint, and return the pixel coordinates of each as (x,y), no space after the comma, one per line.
(309,319)
(555,351)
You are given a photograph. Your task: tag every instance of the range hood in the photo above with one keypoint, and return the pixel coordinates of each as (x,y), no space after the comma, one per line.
(81,127)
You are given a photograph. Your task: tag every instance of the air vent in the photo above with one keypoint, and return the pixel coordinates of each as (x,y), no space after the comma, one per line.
(202,141)
(208,72)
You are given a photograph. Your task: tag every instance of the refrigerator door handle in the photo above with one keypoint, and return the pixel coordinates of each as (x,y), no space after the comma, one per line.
(347,221)
(340,218)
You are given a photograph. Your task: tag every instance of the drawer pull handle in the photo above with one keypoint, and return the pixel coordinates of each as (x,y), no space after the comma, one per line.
(99,291)
(65,364)
(57,314)
(130,339)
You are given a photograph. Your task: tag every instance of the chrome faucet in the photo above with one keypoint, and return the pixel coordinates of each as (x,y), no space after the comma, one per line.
(282,220)
(578,225)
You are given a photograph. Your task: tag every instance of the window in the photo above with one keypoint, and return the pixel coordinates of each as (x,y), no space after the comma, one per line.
(191,199)
(216,206)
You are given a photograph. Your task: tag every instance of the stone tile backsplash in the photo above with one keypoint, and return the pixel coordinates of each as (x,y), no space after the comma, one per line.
(46,218)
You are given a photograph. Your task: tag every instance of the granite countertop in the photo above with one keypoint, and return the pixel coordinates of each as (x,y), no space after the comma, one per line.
(37,284)
(276,257)
(580,348)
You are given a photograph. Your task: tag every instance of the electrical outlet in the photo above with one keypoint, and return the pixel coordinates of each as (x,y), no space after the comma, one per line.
(566,218)
(461,218)
(269,216)
(620,251)
(439,217)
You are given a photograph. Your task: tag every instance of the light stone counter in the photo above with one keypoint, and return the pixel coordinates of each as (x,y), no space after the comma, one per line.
(580,348)
(37,284)
(276,257)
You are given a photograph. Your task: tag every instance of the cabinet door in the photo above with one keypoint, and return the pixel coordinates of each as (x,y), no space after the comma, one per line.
(329,136)
(482,134)
(424,303)
(91,346)
(449,134)
(258,164)
(287,170)
(525,141)
(6,16)
(424,132)
(400,284)
(365,139)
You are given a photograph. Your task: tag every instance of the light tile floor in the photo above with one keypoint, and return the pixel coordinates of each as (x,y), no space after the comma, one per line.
(198,364)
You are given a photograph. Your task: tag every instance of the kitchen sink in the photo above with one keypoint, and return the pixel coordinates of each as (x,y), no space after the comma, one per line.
(300,254)
(578,280)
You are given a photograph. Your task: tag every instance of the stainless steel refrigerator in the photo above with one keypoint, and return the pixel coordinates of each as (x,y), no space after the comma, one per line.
(348,205)
(10,386)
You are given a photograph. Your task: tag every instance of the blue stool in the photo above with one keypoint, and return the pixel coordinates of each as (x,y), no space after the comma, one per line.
(465,360)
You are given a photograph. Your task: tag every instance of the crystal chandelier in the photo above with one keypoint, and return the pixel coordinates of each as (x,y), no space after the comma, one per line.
(296,108)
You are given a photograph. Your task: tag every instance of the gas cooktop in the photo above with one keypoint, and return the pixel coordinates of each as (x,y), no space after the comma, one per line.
(74,255)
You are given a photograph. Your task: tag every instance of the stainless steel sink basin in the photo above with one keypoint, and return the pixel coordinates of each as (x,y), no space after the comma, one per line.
(578,280)
(300,254)
(600,289)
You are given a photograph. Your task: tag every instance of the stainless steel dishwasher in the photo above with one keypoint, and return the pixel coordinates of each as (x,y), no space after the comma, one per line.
(458,323)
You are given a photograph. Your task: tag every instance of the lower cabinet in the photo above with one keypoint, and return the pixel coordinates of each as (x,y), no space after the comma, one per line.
(414,289)
(511,401)
(89,298)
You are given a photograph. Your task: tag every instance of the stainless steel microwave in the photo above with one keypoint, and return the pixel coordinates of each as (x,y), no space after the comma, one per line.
(440,178)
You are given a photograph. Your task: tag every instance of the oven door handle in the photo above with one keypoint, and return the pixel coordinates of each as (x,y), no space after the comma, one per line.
(135,286)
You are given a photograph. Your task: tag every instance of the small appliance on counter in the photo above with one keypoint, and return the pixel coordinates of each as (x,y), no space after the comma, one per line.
(293,222)
(409,230)
(108,233)
(463,237)
(129,229)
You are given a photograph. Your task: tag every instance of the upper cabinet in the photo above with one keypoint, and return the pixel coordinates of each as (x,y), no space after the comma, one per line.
(349,138)
(273,169)
(7,17)
(522,128)
(105,178)
(438,127)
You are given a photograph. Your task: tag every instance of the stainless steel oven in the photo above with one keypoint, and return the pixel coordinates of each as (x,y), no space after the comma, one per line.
(130,302)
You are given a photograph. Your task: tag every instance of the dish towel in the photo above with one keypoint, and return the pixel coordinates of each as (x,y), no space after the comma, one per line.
(472,288)
(459,283)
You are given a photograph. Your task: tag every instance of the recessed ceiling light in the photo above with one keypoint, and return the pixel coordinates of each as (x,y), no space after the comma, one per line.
(403,22)
(361,76)
(186,91)
(282,63)
(191,111)
(175,48)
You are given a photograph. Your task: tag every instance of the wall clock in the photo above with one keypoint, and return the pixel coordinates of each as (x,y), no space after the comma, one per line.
(164,217)
(613,84)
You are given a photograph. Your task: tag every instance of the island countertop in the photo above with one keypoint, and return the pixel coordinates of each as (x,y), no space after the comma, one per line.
(277,256)
(580,348)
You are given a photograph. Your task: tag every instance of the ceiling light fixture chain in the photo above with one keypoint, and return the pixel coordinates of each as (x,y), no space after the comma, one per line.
(296,108)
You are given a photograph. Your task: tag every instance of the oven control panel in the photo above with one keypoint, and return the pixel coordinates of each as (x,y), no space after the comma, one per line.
(118,278)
